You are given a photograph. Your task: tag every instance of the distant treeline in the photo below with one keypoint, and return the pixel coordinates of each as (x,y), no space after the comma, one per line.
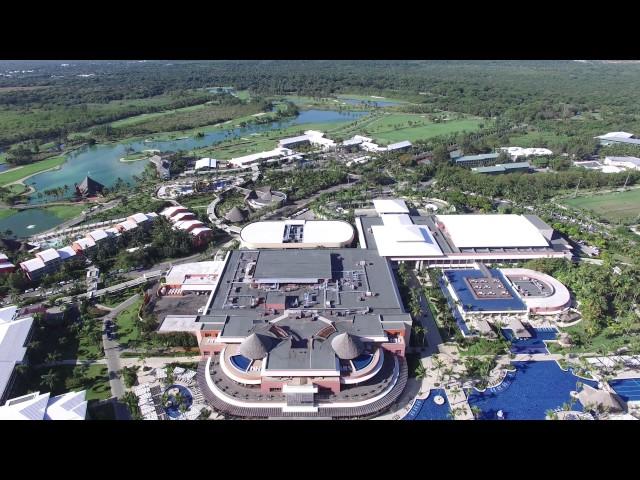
(517,91)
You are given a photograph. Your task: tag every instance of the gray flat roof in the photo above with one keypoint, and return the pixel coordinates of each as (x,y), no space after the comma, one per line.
(356,271)
(537,222)
(308,264)
(241,325)
(473,158)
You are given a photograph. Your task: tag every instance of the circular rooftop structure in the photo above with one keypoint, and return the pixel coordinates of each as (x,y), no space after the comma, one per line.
(255,346)
(347,346)
(297,234)
(541,293)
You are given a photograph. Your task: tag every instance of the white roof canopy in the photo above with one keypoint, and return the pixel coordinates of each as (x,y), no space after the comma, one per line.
(390,205)
(482,231)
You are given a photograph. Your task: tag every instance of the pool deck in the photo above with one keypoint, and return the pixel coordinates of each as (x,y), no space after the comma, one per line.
(417,389)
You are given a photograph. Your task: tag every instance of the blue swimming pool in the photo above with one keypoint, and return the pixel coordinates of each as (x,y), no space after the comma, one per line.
(535,344)
(529,392)
(472,304)
(427,409)
(362,361)
(172,407)
(627,388)
(240,362)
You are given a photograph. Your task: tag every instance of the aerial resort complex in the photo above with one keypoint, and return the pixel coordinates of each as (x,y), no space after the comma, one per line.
(319,240)
(312,332)
(295,325)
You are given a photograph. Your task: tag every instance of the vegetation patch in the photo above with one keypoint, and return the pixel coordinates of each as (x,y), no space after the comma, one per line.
(31,169)
(61,379)
(617,206)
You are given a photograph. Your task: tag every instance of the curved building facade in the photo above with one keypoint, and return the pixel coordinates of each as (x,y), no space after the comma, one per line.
(297,234)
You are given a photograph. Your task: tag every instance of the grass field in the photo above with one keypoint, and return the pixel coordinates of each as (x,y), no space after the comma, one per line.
(126,322)
(269,140)
(94,379)
(65,212)
(31,169)
(146,116)
(7,212)
(623,206)
(536,139)
(398,127)
(371,98)
(243,94)
(17,188)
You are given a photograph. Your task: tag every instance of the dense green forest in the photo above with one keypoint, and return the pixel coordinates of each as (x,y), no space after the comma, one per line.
(49,99)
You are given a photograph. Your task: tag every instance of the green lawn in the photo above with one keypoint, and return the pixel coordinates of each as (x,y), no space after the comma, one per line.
(26,170)
(17,188)
(126,321)
(623,206)
(93,378)
(146,116)
(243,94)
(371,98)
(398,127)
(65,212)
(604,341)
(97,377)
(536,139)
(7,212)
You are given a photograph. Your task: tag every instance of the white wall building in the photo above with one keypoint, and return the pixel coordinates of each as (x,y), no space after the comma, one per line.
(297,234)
(14,334)
(255,158)
(519,152)
(206,163)
(632,163)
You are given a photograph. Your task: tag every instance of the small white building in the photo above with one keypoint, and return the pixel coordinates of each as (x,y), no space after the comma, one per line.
(256,158)
(519,152)
(206,163)
(399,146)
(632,163)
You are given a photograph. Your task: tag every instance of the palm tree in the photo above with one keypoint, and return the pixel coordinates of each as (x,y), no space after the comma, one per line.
(438,364)
(420,371)
(50,379)
(52,357)
(418,331)
(476,411)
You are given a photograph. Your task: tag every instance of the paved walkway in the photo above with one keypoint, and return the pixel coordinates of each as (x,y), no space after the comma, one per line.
(432,339)
(153,362)
(433,342)
(112,349)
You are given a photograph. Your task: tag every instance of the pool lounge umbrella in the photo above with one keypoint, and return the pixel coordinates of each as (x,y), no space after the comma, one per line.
(255,346)
(347,346)
(599,399)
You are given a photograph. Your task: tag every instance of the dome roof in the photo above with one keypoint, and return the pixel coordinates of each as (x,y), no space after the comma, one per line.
(347,346)
(235,215)
(256,346)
